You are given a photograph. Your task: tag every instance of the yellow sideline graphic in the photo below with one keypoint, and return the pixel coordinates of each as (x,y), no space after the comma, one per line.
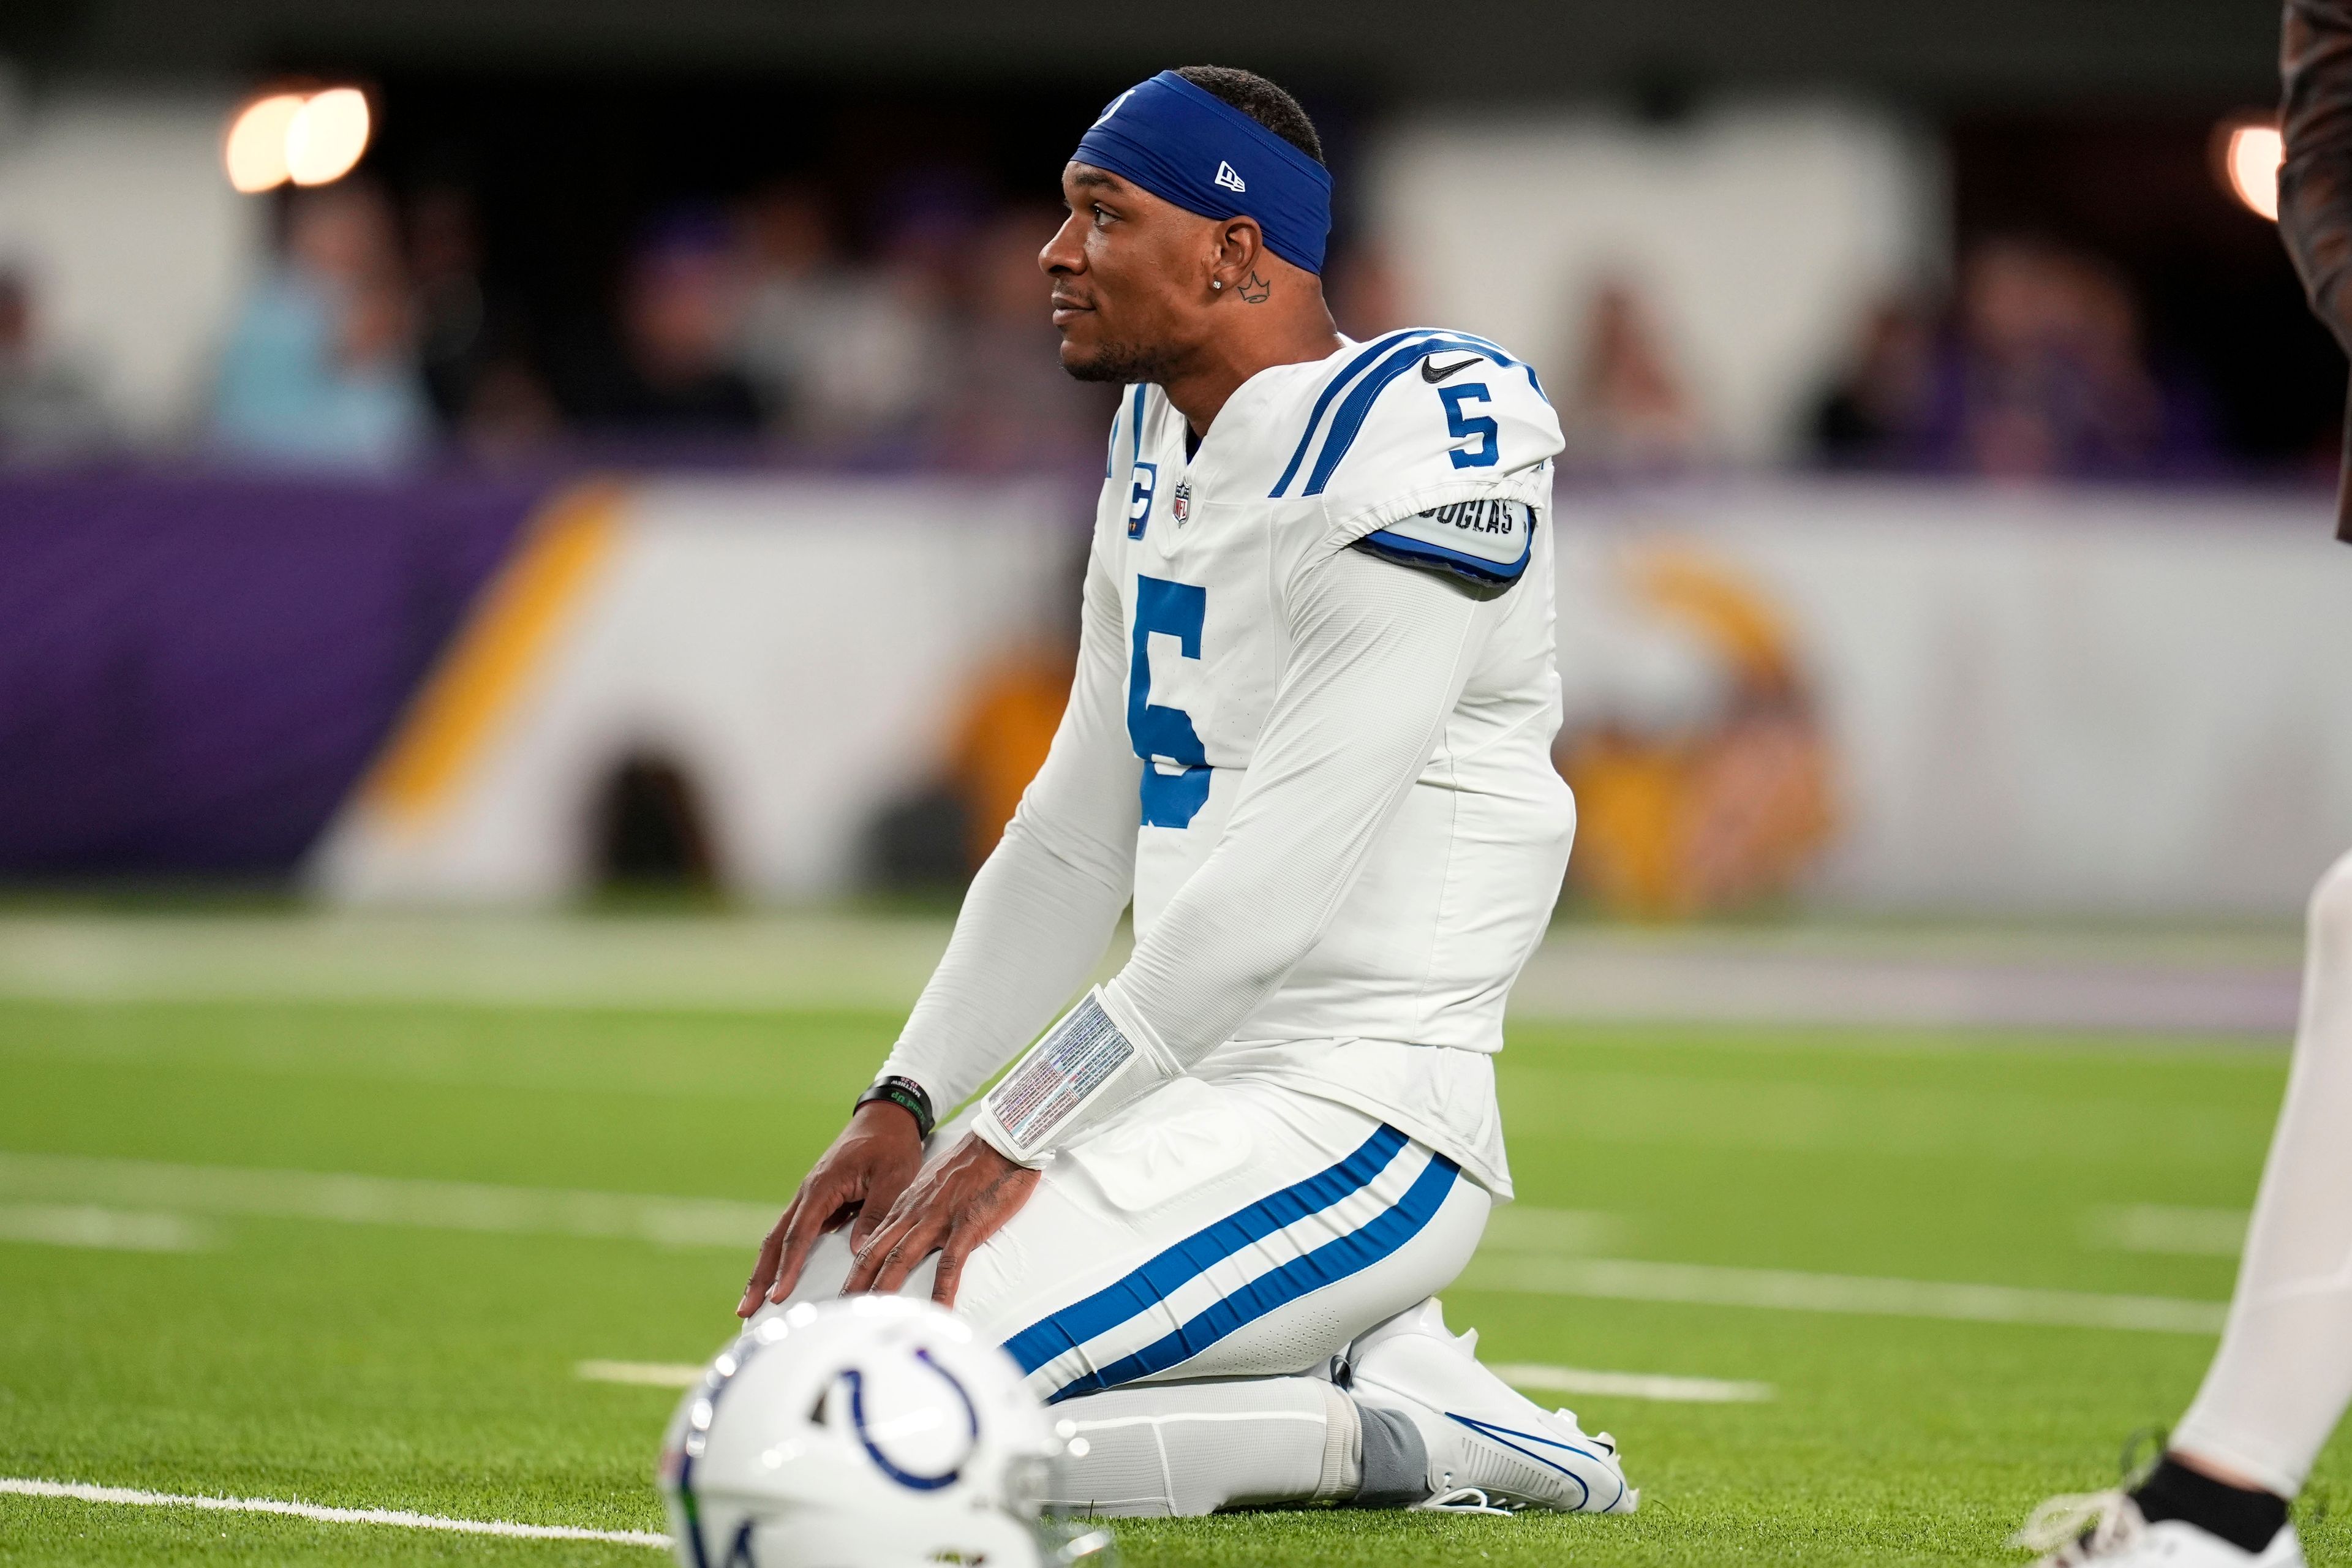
(484,673)
(1674,824)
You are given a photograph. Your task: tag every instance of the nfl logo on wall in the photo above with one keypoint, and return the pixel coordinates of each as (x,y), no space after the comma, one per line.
(1180,504)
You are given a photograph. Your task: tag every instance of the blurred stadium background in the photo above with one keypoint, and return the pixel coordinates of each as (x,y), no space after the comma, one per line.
(537,547)
(620,443)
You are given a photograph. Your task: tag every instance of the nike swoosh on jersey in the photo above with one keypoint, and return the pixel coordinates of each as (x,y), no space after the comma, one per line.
(1430,373)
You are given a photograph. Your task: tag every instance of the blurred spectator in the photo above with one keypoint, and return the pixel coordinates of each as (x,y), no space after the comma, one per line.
(2048,378)
(843,356)
(1880,407)
(320,367)
(452,316)
(1011,404)
(48,408)
(510,415)
(1628,407)
(672,372)
(485,391)
(797,282)
(2043,372)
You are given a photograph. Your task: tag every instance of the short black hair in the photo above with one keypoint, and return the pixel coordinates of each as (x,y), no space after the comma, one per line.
(1261,100)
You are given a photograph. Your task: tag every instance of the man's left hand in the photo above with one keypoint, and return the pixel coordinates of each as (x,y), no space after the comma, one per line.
(951,1209)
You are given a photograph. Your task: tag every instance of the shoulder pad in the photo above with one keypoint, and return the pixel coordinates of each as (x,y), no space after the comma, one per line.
(1423,418)
(1484,545)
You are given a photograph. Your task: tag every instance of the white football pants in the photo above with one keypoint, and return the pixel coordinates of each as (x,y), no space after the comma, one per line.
(1221,1229)
(2283,1373)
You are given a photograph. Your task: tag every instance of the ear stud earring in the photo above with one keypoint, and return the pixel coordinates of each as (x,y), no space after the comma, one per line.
(1217,283)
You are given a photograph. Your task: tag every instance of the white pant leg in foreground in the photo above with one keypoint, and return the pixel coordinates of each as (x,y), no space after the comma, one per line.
(1237,1232)
(1414,1421)
(1212,1230)
(2283,1373)
(1182,1281)
(1159,1450)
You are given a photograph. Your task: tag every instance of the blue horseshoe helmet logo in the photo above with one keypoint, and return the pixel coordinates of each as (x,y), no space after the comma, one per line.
(946,1477)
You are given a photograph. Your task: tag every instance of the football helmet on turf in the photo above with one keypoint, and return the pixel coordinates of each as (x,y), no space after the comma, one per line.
(873,1432)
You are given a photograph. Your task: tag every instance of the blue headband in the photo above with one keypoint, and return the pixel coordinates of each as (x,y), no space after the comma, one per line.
(1194,148)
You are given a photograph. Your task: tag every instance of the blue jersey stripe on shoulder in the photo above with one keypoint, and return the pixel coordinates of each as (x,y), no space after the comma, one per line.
(1338,383)
(1349,419)
(1407,552)
(1503,356)
(1135,426)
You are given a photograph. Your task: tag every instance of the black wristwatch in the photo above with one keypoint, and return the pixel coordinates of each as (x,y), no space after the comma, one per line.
(907,1096)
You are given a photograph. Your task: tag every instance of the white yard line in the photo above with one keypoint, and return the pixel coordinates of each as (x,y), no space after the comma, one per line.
(812,960)
(1629,1385)
(650,1374)
(108,1230)
(1519,1374)
(2169,1229)
(1710,977)
(386,1200)
(1524,1228)
(67,1198)
(1972,976)
(400,1517)
(1624,1279)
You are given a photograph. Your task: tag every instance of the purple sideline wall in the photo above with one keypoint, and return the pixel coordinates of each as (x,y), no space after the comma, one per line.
(196,668)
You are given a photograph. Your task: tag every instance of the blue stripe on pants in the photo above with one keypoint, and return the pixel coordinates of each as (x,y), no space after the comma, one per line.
(1327,1264)
(1147,1286)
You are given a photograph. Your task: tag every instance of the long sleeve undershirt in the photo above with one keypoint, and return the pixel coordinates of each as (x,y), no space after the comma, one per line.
(1379,655)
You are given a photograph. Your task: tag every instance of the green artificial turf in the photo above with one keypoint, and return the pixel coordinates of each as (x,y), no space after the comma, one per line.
(380,1365)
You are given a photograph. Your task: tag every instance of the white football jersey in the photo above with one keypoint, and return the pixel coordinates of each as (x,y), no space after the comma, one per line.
(1433,449)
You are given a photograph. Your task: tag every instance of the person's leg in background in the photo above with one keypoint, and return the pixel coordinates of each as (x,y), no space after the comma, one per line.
(2281,1380)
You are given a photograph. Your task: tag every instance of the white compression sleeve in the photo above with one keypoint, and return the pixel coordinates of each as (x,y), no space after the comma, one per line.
(1157,1450)
(1040,915)
(2283,1374)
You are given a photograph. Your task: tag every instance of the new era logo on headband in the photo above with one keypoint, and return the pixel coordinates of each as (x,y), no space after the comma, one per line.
(1227,178)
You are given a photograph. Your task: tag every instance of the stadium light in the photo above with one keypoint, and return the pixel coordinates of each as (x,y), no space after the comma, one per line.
(327,136)
(2251,153)
(254,151)
(311,139)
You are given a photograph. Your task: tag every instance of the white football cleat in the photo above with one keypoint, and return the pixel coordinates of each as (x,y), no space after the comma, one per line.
(2107,1529)
(1491,1448)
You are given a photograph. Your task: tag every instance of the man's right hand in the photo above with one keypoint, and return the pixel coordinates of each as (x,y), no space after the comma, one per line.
(856,1181)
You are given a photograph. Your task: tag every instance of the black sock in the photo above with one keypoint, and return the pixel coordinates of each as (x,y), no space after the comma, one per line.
(1396,1462)
(2245,1519)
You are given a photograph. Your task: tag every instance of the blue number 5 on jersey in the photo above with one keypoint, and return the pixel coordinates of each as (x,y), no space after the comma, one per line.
(1164,735)
(1480,428)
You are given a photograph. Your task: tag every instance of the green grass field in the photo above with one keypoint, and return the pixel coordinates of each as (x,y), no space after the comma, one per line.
(200,1335)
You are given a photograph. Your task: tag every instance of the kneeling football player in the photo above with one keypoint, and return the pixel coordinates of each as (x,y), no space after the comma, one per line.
(1309,739)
